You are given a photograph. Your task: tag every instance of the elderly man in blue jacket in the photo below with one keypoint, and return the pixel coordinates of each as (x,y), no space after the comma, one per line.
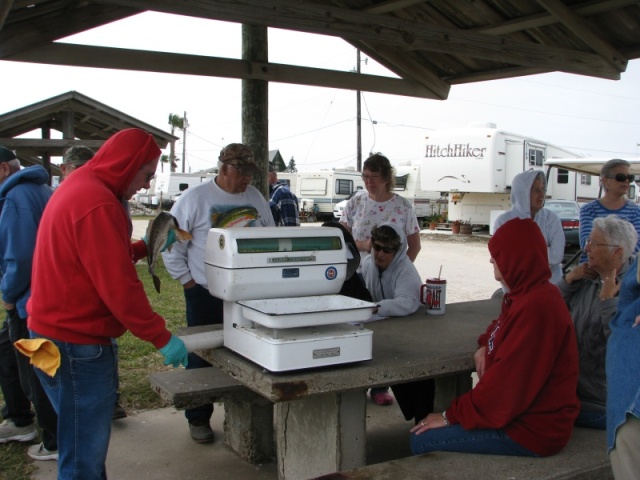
(23,195)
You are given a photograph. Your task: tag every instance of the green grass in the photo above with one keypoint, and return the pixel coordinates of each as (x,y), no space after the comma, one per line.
(137,359)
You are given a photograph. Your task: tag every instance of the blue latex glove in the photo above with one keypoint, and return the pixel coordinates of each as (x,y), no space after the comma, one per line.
(171,239)
(175,352)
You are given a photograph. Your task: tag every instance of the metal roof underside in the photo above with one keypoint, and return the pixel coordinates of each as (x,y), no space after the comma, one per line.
(429,44)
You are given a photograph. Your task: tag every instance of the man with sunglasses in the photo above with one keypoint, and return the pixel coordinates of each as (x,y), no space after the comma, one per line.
(394,284)
(229,200)
(615,179)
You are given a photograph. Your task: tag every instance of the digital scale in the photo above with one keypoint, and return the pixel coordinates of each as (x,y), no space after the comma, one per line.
(280,290)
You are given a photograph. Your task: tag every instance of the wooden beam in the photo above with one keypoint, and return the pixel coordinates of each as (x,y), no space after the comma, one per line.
(385,30)
(137,60)
(5,8)
(391,6)
(544,19)
(581,29)
(42,144)
(401,65)
(63,22)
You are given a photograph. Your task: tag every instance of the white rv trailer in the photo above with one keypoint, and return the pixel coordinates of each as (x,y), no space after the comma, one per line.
(474,167)
(325,188)
(168,186)
(409,186)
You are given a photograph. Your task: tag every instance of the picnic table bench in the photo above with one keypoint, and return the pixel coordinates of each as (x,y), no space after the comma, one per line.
(585,458)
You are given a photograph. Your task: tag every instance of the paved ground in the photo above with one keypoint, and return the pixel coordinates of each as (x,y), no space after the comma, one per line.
(156,444)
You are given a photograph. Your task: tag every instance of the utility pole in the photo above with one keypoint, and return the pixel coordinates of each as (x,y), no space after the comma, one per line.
(185,124)
(358,121)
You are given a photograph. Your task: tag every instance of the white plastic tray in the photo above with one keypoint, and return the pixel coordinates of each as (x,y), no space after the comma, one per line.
(306,311)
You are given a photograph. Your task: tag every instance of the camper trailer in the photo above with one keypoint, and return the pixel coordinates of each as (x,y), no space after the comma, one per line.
(409,186)
(474,168)
(169,186)
(325,188)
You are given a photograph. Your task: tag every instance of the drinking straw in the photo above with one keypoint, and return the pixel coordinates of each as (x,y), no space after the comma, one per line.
(440,272)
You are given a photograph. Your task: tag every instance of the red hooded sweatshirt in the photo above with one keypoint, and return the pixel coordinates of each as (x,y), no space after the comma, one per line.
(531,376)
(85,288)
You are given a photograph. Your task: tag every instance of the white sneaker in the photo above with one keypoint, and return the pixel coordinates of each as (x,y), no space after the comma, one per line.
(38,452)
(10,433)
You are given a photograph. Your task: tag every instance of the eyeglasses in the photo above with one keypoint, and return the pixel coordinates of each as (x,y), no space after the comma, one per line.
(370,177)
(621,177)
(377,248)
(591,243)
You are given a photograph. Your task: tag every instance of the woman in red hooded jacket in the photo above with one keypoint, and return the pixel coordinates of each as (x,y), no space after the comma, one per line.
(86,291)
(525,401)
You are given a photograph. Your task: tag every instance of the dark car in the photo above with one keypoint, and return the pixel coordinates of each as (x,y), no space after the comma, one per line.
(569,213)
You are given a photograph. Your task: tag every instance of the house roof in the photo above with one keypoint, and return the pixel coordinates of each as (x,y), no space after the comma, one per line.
(429,44)
(81,119)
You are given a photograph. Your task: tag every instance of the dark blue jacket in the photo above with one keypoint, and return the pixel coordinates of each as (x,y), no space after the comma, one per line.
(23,196)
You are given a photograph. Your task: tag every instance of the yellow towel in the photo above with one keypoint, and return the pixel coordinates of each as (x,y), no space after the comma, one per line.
(42,353)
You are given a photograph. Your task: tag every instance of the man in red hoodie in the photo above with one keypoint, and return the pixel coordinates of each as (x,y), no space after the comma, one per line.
(86,292)
(525,401)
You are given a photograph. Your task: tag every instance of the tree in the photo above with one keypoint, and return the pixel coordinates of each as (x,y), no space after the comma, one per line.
(176,121)
(163,159)
(291,168)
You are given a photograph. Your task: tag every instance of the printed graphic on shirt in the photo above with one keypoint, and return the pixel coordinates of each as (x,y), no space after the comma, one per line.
(229,216)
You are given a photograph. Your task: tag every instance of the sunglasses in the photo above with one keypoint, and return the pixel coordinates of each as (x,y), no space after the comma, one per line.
(621,177)
(377,248)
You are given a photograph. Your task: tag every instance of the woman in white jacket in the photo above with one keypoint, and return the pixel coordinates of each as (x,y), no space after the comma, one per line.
(528,192)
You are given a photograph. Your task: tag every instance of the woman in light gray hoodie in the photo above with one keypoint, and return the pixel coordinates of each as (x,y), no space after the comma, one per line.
(389,274)
(527,199)
(394,284)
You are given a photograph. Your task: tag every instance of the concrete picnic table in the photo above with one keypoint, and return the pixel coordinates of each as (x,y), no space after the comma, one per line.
(320,414)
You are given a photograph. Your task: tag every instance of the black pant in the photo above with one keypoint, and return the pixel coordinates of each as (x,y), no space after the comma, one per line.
(20,384)
(202,309)
(415,399)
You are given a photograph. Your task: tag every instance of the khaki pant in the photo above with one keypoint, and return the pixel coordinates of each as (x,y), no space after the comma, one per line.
(625,457)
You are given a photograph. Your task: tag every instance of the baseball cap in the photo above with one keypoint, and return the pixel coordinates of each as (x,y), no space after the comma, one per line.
(77,156)
(240,156)
(6,155)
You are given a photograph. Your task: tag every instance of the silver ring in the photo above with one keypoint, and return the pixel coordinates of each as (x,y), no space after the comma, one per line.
(422,424)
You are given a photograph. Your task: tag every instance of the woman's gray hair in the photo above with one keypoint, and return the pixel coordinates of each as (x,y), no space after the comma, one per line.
(618,231)
(608,167)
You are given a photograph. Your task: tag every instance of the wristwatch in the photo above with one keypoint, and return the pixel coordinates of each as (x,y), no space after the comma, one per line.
(446,420)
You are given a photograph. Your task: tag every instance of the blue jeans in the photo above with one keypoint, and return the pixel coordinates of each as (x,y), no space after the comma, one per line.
(592,419)
(28,385)
(202,309)
(457,439)
(83,392)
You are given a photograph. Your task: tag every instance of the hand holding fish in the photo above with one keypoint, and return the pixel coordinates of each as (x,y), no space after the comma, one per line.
(162,233)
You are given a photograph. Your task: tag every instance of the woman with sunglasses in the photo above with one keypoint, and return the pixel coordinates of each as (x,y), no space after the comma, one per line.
(615,179)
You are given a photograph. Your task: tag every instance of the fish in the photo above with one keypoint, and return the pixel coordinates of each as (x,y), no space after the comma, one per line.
(157,234)
(237,217)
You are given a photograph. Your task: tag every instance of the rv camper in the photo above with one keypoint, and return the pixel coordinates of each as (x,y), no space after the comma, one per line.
(474,168)
(325,188)
(409,186)
(169,186)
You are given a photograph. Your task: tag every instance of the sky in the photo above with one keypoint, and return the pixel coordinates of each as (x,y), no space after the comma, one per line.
(317,126)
